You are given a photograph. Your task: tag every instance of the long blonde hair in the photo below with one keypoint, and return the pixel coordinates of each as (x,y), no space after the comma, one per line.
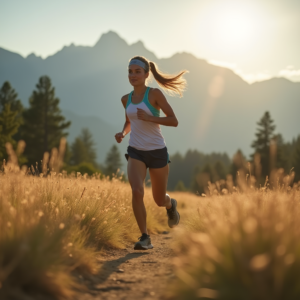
(170,83)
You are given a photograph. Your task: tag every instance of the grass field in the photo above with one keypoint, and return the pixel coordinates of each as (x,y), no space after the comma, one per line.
(241,245)
(53,228)
(234,242)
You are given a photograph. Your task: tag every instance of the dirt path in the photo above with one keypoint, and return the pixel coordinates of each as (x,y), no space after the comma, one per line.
(128,274)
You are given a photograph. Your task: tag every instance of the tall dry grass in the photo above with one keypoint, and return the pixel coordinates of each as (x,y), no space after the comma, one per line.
(241,243)
(53,227)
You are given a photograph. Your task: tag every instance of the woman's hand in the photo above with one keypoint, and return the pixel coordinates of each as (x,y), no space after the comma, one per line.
(119,137)
(142,115)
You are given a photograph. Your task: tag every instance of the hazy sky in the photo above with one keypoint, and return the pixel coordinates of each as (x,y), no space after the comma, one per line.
(256,38)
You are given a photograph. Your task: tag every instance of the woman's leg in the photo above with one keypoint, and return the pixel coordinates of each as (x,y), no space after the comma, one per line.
(136,171)
(159,181)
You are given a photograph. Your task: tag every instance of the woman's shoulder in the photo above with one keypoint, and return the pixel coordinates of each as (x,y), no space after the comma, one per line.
(124,99)
(155,93)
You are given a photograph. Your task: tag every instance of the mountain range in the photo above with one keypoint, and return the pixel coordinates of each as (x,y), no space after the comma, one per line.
(218,112)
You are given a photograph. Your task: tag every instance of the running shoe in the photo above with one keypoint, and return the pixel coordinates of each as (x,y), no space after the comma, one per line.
(144,243)
(173,214)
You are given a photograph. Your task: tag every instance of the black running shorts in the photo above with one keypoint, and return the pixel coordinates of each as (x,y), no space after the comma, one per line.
(155,159)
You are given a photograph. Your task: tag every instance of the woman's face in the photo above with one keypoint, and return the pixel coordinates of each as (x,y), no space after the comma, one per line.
(137,75)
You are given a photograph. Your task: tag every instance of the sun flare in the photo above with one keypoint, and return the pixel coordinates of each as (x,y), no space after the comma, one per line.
(235,27)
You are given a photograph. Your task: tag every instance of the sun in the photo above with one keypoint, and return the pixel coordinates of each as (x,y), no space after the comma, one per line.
(235,27)
(232,26)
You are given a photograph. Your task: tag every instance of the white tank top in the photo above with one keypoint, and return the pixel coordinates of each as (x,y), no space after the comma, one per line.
(144,135)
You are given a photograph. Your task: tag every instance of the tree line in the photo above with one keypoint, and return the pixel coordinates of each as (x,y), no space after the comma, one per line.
(270,152)
(42,125)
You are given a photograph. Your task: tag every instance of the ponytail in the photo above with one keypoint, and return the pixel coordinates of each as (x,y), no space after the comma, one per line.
(170,83)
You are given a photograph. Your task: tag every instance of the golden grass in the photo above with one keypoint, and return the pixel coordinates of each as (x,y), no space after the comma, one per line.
(242,244)
(52,227)
(234,242)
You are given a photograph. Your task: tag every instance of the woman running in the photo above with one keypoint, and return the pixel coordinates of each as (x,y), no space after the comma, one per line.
(147,148)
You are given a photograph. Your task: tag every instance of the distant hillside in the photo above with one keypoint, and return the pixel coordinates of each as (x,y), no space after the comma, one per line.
(218,112)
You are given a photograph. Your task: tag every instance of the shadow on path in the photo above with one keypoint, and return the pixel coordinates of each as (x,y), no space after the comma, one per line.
(112,266)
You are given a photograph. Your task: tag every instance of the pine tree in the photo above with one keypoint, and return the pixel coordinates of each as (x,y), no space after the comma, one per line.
(281,158)
(68,155)
(83,149)
(9,96)
(264,135)
(44,125)
(8,128)
(89,145)
(112,161)
(78,152)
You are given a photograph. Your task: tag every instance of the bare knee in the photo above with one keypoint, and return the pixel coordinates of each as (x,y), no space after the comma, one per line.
(137,193)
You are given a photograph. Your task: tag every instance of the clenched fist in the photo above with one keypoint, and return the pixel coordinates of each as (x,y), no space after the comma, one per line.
(142,115)
(119,137)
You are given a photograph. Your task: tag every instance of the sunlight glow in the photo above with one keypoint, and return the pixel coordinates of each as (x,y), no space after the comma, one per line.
(232,28)
(235,27)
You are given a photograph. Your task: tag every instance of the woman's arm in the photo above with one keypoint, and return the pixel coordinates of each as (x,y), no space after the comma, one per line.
(161,101)
(126,128)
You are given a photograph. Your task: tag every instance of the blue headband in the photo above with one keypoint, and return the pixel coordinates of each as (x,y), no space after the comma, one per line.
(137,62)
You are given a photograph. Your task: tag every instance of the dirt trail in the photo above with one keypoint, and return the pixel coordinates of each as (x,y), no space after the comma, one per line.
(128,274)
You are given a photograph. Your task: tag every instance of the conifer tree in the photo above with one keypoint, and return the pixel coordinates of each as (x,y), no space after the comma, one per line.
(78,152)
(44,125)
(9,96)
(112,161)
(281,158)
(83,149)
(89,145)
(68,155)
(261,145)
(8,128)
